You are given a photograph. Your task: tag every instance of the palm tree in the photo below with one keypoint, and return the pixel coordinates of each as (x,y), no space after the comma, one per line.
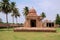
(13,8)
(12,18)
(5,8)
(16,13)
(0,6)
(26,10)
(43,15)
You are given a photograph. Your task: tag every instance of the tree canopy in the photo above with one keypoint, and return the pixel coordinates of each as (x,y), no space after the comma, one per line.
(57,21)
(26,10)
(43,15)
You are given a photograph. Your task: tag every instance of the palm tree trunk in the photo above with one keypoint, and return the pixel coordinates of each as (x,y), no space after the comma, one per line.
(13,19)
(16,20)
(7,20)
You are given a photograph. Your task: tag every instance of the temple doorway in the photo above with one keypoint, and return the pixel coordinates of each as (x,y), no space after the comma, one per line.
(33,23)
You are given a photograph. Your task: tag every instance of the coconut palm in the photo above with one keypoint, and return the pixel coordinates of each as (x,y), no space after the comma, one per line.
(12,18)
(5,8)
(43,15)
(16,13)
(26,10)
(13,8)
(0,6)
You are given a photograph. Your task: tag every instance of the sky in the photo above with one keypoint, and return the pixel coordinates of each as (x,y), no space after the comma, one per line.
(50,7)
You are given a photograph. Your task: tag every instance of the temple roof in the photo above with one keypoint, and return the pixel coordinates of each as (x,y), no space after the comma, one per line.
(32,12)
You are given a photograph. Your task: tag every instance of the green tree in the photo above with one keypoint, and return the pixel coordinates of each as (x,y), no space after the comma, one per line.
(1,20)
(16,15)
(26,10)
(0,6)
(43,15)
(57,19)
(5,8)
(13,10)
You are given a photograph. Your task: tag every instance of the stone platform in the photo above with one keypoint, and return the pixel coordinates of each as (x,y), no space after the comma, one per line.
(22,29)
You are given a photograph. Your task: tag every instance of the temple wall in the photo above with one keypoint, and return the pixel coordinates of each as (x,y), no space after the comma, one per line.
(38,22)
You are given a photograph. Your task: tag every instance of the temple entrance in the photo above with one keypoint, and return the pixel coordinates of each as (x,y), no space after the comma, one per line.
(33,23)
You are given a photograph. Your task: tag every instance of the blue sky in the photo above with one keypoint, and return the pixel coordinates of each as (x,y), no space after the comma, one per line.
(50,7)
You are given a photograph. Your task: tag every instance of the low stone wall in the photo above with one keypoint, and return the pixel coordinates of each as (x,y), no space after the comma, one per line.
(34,30)
(10,25)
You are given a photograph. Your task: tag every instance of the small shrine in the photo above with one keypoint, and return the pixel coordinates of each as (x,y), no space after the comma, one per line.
(32,19)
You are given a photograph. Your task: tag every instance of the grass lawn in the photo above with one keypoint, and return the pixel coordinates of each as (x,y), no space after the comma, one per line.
(10,35)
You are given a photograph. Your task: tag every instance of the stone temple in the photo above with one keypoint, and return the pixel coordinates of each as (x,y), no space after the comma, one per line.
(34,22)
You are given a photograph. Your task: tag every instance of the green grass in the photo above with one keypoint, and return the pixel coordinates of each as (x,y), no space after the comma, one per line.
(10,35)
